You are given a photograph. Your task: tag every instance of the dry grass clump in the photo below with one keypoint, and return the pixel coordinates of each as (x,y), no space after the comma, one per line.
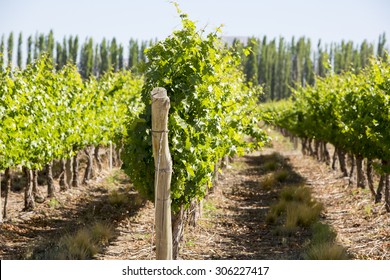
(118,199)
(322,233)
(326,251)
(268,182)
(101,232)
(296,209)
(77,247)
(85,243)
(323,244)
(281,175)
(298,206)
(278,173)
(271,165)
(271,180)
(274,162)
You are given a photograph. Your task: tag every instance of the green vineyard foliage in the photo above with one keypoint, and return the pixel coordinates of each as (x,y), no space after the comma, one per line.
(351,111)
(212,110)
(48,114)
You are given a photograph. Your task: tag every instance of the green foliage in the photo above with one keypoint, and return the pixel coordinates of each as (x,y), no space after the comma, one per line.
(48,114)
(349,110)
(212,110)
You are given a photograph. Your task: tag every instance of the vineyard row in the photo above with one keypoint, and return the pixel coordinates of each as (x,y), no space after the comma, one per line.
(48,114)
(350,111)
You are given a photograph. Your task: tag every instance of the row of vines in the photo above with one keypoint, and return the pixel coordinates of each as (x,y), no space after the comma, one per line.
(49,115)
(352,112)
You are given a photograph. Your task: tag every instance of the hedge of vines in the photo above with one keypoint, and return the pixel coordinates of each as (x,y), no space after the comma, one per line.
(47,114)
(350,111)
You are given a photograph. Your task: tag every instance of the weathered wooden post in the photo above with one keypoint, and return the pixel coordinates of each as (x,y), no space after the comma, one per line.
(1,206)
(163,173)
(110,156)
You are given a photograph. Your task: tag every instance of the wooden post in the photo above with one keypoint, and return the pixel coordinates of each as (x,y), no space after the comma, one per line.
(110,156)
(163,173)
(1,206)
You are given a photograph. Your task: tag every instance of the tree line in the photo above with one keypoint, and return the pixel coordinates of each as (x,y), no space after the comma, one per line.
(281,66)
(278,65)
(91,57)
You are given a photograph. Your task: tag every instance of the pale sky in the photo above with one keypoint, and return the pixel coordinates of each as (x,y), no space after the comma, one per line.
(330,20)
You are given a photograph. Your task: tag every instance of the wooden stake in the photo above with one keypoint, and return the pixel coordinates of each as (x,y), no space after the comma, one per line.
(163,173)
(110,156)
(1,206)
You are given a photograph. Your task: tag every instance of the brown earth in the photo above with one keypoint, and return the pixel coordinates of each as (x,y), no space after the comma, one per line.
(232,225)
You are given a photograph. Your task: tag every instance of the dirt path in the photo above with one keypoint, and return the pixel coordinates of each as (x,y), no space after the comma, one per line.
(362,226)
(232,225)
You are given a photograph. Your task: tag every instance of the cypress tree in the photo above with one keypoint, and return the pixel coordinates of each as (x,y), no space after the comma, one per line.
(280,70)
(323,64)
(75,49)
(251,66)
(29,50)
(262,69)
(2,53)
(142,57)
(133,54)
(96,62)
(287,77)
(381,46)
(70,47)
(271,61)
(120,57)
(114,54)
(10,48)
(41,44)
(19,54)
(59,63)
(36,46)
(50,44)
(308,65)
(301,54)
(65,56)
(86,59)
(348,55)
(105,64)
(366,51)
(356,60)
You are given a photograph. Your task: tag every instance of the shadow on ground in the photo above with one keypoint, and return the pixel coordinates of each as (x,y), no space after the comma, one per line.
(38,237)
(247,235)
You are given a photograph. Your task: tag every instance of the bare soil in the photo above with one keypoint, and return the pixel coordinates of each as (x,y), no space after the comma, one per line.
(232,225)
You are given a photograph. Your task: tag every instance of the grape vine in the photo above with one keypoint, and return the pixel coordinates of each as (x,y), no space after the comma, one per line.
(350,111)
